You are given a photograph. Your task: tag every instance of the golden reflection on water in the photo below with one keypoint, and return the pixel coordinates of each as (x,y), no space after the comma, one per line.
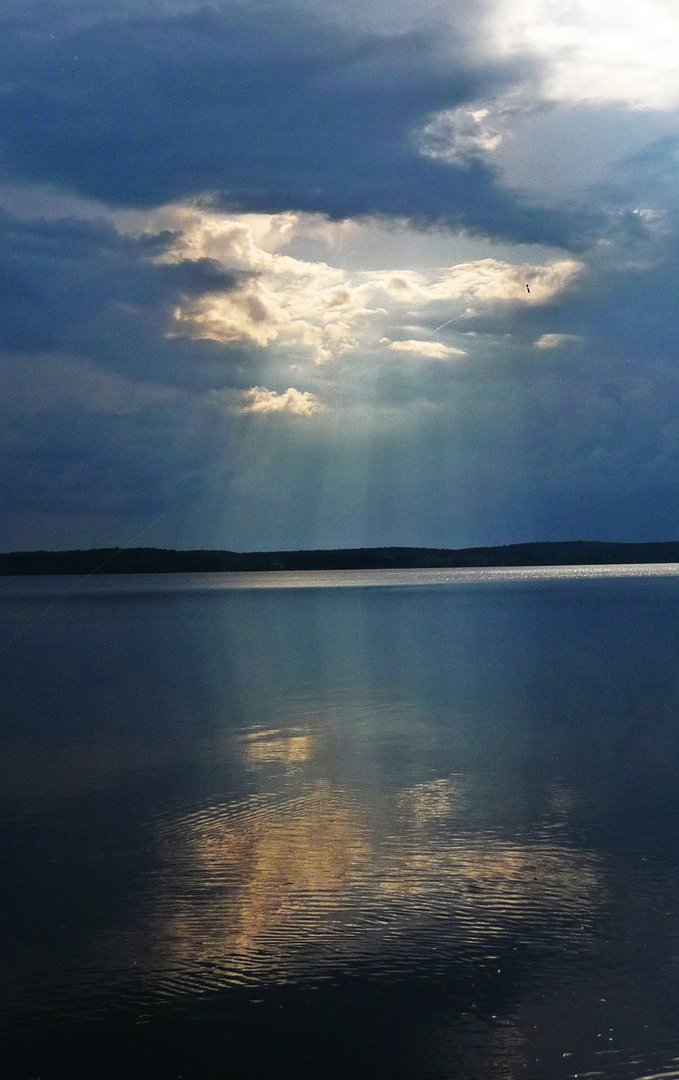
(285,886)
(283,747)
(431,801)
(258,874)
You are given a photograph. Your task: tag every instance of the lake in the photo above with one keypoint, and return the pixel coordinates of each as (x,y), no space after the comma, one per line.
(273,826)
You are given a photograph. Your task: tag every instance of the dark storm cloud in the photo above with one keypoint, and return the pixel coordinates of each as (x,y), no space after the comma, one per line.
(83,288)
(652,170)
(101,413)
(95,414)
(75,458)
(267,108)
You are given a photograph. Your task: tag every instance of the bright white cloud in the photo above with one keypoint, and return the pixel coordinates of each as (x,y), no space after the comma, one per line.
(485,280)
(204,233)
(293,302)
(284,298)
(435,350)
(596,50)
(556,341)
(611,64)
(294,402)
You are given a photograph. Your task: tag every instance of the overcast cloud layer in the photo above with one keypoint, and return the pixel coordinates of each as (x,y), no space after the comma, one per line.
(271,279)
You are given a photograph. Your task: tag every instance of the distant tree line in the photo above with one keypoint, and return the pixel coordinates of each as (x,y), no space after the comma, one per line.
(161,560)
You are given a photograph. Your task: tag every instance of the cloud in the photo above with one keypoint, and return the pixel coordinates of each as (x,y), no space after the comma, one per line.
(310,305)
(108,447)
(235,197)
(83,288)
(603,84)
(292,402)
(508,447)
(280,298)
(459,136)
(131,420)
(432,349)
(485,281)
(564,150)
(289,301)
(595,50)
(556,341)
(269,111)
(43,384)
(183,288)
(100,414)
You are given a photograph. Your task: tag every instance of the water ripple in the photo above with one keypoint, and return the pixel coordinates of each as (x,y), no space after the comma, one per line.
(277,887)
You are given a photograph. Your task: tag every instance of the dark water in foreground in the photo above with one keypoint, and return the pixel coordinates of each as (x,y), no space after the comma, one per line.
(426,831)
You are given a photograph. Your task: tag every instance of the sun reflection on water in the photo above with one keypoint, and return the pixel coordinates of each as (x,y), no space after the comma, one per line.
(278,746)
(313,878)
(431,801)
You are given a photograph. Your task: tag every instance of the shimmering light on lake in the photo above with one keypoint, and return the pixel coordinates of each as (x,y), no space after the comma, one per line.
(426,831)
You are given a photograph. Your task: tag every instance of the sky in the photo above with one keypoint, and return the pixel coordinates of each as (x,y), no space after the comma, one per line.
(299,275)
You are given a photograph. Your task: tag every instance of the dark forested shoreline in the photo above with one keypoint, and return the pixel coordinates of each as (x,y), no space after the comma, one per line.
(160,560)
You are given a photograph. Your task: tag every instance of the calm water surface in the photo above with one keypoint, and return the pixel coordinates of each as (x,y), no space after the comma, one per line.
(427,826)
